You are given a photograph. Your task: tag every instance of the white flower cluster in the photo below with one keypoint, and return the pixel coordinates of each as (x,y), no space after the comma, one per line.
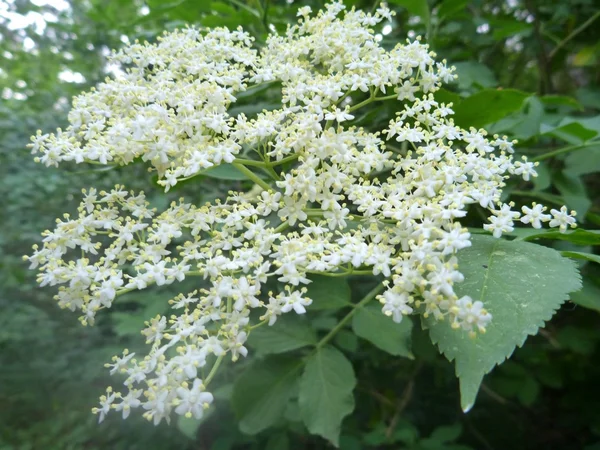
(339,200)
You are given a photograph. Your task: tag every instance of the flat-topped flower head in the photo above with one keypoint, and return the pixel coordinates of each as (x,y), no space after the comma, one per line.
(330,197)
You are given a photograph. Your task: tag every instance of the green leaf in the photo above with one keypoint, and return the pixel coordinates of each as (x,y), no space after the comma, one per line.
(189,426)
(288,333)
(447,433)
(578,339)
(325,396)
(588,296)
(582,255)
(577,237)
(503,28)
(328,292)
(544,179)
(475,110)
(573,132)
(530,119)
(587,56)
(371,324)
(561,100)
(224,172)
(279,441)
(261,393)
(521,285)
(589,97)
(573,192)
(445,96)
(529,390)
(127,324)
(416,8)
(474,73)
(583,161)
(346,340)
(448,8)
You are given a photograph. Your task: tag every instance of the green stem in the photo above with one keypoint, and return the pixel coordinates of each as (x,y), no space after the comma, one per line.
(252,176)
(213,371)
(370,296)
(550,198)
(560,151)
(361,104)
(284,226)
(249,162)
(272,173)
(242,5)
(258,325)
(192,273)
(343,274)
(387,97)
(574,33)
(285,160)
(371,100)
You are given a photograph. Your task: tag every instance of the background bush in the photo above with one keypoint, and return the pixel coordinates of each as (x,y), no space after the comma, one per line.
(530,70)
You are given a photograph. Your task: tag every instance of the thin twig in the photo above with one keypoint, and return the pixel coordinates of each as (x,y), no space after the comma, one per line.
(403,401)
(543,60)
(477,434)
(574,33)
(494,395)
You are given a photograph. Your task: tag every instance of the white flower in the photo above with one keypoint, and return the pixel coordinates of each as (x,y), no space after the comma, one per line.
(193,402)
(339,115)
(471,314)
(128,402)
(294,300)
(332,201)
(395,304)
(562,219)
(106,402)
(535,215)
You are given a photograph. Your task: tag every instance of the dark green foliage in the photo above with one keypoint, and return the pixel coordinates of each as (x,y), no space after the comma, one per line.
(530,75)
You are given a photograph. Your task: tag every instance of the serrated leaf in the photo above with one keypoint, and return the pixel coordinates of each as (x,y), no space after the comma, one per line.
(288,333)
(325,396)
(261,393)
(328,292)
(521,285)
(371,324)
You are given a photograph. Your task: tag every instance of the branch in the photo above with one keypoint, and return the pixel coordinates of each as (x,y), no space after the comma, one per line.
(574,33)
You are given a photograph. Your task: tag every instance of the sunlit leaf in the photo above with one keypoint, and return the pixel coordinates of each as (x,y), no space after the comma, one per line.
(521,285)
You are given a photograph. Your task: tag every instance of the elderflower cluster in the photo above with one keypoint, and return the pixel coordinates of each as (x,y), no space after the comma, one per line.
(335,199)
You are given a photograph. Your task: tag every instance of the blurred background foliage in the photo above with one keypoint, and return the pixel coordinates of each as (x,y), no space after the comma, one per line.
(529,69)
